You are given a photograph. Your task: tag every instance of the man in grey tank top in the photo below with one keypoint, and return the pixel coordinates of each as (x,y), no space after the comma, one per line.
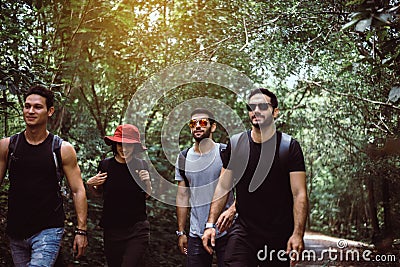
(197,179)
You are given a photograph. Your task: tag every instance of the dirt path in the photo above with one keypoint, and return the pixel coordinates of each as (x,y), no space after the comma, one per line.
(323,250)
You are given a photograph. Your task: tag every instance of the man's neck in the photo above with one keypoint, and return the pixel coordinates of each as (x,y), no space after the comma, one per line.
(204,146)
(35,136)
(261,135)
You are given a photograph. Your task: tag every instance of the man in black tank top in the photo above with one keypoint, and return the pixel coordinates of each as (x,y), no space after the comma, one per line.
(35,211)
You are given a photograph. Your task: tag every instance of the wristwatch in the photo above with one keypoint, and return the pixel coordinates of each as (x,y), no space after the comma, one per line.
(180,233)
(210,225)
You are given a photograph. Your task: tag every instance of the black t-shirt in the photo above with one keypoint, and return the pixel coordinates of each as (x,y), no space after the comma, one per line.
(124,202)
(266,212)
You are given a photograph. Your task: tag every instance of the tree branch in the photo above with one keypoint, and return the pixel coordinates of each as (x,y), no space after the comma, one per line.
(246,34)
(318,84)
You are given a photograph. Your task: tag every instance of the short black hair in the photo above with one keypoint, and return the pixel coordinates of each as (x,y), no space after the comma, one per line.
(42,91)
(203,111)
(264,91)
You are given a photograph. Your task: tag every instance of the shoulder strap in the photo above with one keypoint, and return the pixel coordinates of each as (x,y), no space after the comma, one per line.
(284,151)
(56,149)
(222,148)
(142,167)
(105,164)
(11,149)
(235,139)
(181,165)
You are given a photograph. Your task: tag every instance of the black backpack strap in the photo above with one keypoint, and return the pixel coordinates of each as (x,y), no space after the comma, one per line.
(222,148)
(11,148)
(141,165)
(105,164)
(284,151)
(181,165)
(56,149)
(234,140)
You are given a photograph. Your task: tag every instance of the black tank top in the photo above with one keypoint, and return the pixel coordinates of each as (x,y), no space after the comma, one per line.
(34,202)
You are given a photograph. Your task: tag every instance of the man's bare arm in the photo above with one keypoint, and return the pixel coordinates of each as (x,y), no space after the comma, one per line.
(182,209)
(300,210)
(3,157)
(224,186)
(74,178)
(226,218)
(220,197)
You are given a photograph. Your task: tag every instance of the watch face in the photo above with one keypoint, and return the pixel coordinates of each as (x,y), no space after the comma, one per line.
(179,233)
(210,225)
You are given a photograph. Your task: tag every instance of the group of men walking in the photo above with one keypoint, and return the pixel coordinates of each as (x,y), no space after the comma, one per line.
(264,169)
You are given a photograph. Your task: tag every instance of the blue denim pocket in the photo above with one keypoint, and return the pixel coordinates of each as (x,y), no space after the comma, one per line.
(40,249)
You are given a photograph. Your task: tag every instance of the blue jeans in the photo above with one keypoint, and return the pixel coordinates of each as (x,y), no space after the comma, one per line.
(197,256)
(40,249)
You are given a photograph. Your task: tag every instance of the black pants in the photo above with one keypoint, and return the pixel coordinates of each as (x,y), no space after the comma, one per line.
(198,257)
(246,250)
(125,247)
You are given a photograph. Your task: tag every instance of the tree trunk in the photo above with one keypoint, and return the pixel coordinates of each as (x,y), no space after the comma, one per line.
(372,207)
(5,113)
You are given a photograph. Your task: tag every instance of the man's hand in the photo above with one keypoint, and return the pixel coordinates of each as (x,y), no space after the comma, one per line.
(182,244)
(80,244)
(225,220)
(209,238)
(295,247)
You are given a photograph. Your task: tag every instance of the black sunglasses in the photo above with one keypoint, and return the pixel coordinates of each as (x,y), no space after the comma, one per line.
(261,106)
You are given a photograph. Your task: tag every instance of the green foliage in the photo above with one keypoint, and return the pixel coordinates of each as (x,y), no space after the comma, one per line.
(333,64)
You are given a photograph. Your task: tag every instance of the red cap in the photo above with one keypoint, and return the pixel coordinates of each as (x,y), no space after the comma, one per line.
(127,134)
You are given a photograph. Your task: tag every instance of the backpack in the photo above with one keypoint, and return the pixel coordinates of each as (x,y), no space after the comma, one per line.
(283,156)
(283,148)
(55,148)
(182,162)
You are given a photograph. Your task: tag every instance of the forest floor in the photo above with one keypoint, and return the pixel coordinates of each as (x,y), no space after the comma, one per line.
(163,249)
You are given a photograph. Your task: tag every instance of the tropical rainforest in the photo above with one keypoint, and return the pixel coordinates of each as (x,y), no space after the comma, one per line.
(334,66)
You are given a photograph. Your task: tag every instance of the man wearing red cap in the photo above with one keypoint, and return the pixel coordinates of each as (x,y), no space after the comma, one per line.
(122,180)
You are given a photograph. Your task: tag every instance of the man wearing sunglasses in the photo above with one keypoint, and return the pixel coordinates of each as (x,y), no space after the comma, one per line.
(271,195)
(197,171)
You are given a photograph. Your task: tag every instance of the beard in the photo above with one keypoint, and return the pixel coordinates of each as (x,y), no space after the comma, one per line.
(205,135)
(256,125)
(266,123)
